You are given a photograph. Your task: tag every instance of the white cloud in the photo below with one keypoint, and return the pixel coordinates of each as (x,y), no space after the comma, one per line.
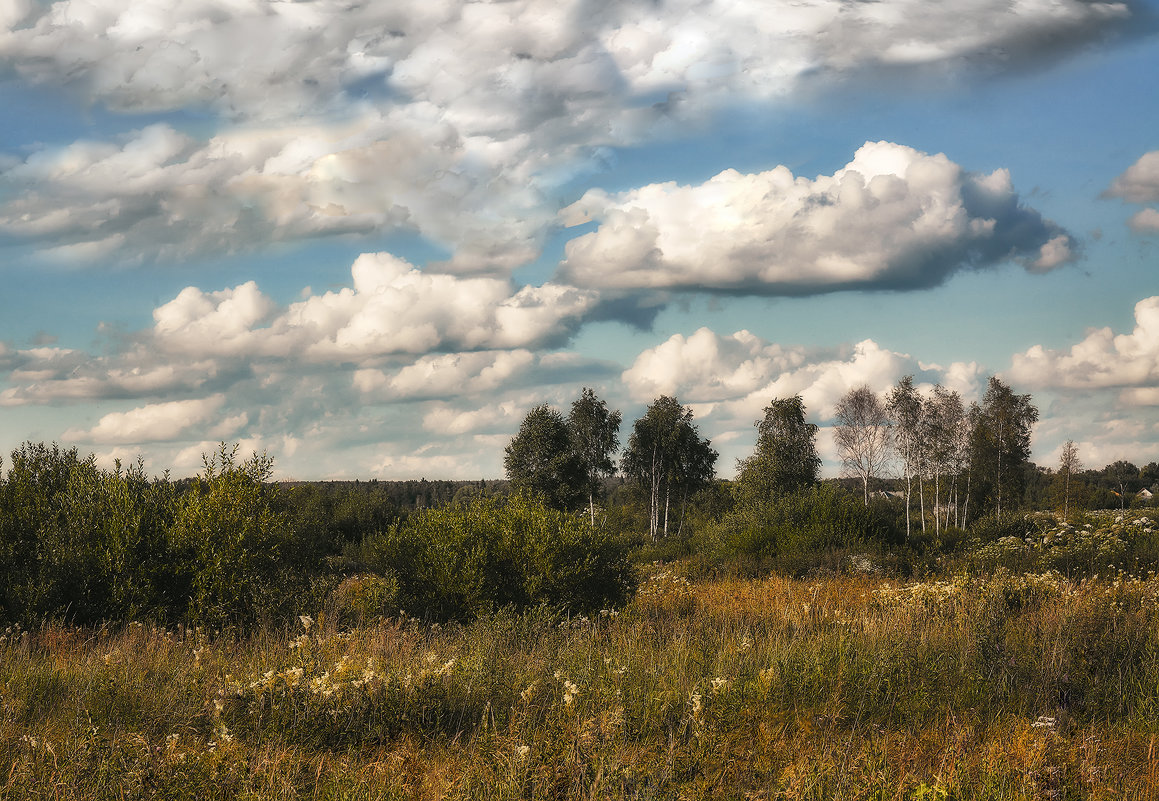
(737,375)
(1101,359)
(445,375)
(391,308)
(443,117)
(893,217)
(1140,184)
(707,367)
(1145,221)
(163,422)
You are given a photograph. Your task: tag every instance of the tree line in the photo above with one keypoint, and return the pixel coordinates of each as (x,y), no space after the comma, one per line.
(946,462)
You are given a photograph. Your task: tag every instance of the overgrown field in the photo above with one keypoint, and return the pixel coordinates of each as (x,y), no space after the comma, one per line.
(1013,686)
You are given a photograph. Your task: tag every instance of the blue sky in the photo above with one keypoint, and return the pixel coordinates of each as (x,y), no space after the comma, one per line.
(368,237)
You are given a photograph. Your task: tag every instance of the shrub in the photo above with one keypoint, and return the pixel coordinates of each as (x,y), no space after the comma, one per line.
(801,525)
(231,542)
(463,560)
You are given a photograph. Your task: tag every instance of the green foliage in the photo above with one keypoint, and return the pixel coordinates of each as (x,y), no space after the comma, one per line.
(540,459)
(809,521)
(80,542)
(363,598)
(667,459)
(594,432)
(1000,448)
(785,459)
(461,561)
(232,540)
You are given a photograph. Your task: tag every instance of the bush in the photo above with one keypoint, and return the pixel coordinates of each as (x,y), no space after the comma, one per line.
(797,527)
(231,542)
(463,560)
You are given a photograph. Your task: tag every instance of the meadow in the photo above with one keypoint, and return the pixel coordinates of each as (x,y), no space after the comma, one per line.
(968,684)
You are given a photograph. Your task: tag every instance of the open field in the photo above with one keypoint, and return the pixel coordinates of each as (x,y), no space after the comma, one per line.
(1010,687)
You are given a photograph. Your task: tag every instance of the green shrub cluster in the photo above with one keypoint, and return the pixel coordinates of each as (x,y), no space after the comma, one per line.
(462,560)
(87,545)
(794,528)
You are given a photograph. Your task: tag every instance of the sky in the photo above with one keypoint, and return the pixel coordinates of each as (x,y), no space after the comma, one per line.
(366,237)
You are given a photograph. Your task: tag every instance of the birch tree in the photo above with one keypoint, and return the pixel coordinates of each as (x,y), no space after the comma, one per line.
(904,405)
(666,457)
(1068,464)
(785,458)
(862,435)
(595,436)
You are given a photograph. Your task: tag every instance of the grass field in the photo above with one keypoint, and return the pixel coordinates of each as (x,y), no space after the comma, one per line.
(1009,687)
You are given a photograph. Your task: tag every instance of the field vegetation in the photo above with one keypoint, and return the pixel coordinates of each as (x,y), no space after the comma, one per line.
(664,636)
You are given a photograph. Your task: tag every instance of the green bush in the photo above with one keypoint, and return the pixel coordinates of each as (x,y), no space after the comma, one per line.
(82,543)
(231,542)
(801,525)
(463,560)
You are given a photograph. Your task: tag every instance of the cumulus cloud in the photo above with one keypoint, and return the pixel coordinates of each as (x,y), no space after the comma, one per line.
(391,308)
(395,333)
(738,374)
(441,117)
(162,422)
(1140,184)
(158,194)
(893,217)
(446,374)
(706,366)
(1101,359)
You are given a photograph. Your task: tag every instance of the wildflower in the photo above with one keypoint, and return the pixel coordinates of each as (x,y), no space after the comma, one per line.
(307,621)
(1043,722)
(522,751)
(570,691)
(746,642)
(527,694)
(695,701)
(719,684)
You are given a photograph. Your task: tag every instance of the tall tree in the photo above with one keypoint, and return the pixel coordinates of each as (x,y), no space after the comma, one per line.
(595,436)
(1000,447)
(943,418)
(1068,465)
(904,405)
(785,458)
(862,435)
(667,457)
(540,459)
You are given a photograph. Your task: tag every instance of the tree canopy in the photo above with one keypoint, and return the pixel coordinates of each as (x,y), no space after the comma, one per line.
(668,459)
(540,459)
(785,458)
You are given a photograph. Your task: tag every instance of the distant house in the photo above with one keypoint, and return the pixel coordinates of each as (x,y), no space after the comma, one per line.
(888,495)
(1144,494)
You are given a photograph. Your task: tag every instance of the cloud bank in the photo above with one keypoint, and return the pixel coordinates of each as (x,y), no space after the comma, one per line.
(440,118)
(892,218)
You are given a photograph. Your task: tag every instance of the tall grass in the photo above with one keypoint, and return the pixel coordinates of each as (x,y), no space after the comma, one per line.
(1026,686)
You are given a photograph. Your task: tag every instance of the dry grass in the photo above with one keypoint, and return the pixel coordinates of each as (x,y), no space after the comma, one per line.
(1013,687)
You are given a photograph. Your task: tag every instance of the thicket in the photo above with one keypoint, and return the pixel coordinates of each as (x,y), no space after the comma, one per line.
(468,559)
(793,530)
(232,549)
